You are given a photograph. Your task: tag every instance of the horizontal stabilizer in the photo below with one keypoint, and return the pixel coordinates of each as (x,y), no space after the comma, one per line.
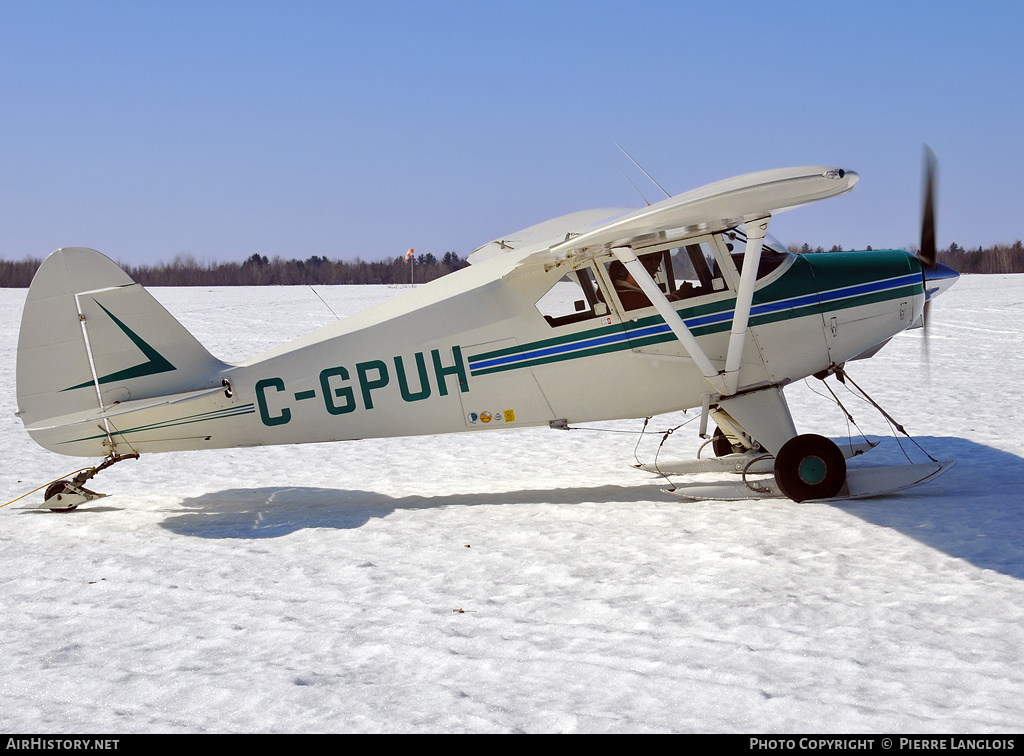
(193,420)
(96,415)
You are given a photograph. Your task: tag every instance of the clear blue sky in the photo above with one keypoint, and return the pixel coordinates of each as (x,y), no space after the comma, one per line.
(218,129)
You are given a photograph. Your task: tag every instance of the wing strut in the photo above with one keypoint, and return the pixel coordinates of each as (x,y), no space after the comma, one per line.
(756,231)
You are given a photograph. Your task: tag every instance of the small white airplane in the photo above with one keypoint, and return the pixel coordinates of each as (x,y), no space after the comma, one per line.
(597,315)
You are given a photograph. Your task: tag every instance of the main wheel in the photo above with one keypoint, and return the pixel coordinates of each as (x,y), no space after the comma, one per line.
(810,467)
(721,444)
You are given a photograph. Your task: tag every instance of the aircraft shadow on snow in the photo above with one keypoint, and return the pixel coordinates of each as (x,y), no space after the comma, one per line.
(973,512)
(271,512)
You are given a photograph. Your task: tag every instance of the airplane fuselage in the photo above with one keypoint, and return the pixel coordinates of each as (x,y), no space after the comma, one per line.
(464,354)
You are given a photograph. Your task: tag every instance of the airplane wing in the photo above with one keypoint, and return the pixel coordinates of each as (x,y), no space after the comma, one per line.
(545,235)
(715,207)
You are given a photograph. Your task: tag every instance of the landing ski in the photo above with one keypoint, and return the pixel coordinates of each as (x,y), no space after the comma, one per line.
(861,483)
(750,462)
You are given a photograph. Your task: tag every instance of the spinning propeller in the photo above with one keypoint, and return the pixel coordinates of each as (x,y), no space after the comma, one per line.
(927,254)
(936,275)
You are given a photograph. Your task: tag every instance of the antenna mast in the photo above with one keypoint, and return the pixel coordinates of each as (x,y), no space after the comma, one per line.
(646,201)
(667,195)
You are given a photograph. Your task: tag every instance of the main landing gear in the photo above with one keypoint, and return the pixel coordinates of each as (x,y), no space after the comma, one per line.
(808,467)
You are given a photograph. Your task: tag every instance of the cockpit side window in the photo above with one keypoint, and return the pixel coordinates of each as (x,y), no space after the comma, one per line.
(680,272)
(574,298)
(627,289)
(697,271)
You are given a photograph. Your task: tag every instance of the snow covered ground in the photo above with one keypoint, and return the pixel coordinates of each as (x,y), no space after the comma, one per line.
(526,580)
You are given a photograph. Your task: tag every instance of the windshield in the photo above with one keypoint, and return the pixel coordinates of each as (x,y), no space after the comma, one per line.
(773,252)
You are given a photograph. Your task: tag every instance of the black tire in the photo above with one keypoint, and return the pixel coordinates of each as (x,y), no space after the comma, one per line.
(810,467)
(55,489)
(721,444)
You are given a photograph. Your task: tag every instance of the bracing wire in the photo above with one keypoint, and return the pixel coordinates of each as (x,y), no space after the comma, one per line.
(324,301)
(893,423)
(640,434)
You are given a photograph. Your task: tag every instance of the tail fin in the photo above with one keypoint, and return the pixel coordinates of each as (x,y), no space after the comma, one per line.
(91,338)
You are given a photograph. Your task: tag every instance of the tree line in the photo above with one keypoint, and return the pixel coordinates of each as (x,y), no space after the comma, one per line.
(258,270)
(1000,258)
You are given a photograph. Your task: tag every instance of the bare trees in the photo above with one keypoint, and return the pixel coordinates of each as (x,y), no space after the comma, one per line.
(259,270)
